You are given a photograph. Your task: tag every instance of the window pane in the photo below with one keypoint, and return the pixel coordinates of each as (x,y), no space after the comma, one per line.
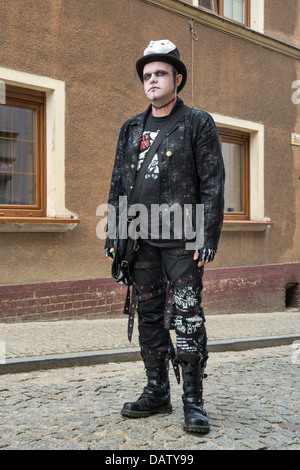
(22,165)
(23,189)
(5,121)
(17,155)
(5,188)
(233,159)
(5,155)
(5,167)
(23,123)
(235,9)
(209,4)
(23,157)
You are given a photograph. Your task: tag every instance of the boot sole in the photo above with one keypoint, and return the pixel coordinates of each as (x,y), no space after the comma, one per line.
(144,414)
(197,429)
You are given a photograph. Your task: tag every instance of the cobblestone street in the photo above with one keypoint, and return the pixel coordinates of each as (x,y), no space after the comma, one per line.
(252,398)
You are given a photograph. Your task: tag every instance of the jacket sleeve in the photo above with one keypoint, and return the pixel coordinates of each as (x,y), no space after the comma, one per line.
(115,191)
(211,175)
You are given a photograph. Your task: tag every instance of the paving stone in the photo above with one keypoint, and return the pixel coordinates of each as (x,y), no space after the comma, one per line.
(79,407)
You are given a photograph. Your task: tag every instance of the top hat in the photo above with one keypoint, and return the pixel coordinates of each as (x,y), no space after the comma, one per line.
(162,51)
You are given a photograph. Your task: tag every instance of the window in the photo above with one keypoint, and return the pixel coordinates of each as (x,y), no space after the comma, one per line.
(236,10)
(32,178)
(22,124)
(235,149)
(250,136)
(209,4)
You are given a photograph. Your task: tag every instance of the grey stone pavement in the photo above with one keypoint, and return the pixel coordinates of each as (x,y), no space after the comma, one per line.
(62,385)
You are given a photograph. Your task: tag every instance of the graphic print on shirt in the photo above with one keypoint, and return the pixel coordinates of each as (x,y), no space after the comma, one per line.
(146,142)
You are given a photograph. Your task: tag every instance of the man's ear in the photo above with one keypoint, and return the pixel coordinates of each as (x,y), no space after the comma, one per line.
(179,78)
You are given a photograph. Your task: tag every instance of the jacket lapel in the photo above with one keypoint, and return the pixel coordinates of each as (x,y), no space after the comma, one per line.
(137,128)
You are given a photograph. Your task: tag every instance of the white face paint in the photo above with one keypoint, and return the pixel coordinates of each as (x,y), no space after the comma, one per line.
(159,83)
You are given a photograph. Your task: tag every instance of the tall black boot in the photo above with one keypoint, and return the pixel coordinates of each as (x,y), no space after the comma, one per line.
(195,416)
(156,395)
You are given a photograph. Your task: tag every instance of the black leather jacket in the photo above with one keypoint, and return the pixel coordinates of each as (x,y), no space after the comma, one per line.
(193,175)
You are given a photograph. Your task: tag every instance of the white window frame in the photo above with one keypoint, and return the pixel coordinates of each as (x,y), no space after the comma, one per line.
(257,15)
(55,147)
(256,163)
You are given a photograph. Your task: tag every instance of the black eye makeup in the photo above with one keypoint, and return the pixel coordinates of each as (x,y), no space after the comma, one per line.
(158,73)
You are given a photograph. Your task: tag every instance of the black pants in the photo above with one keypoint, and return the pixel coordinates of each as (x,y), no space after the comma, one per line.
(168,285)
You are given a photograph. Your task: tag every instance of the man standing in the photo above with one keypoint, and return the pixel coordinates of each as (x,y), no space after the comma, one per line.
(186,171)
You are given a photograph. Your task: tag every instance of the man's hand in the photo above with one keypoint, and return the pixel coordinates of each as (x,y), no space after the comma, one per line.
(110,257)
(201,263)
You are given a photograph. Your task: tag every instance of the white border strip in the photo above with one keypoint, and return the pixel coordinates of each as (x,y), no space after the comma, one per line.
(55,129)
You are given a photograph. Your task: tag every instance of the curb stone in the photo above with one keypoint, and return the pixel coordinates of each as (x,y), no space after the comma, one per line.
(56,361)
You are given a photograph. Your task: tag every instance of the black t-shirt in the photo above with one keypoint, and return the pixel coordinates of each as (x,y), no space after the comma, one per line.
(150,188)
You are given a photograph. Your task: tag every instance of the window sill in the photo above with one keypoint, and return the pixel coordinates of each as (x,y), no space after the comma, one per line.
(246,226)
(37,224)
